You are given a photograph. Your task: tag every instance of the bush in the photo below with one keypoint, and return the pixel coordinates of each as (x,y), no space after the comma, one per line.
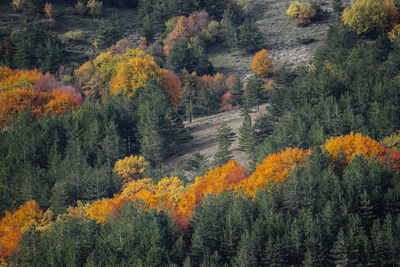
(303,12)
(305,40)
(72,36)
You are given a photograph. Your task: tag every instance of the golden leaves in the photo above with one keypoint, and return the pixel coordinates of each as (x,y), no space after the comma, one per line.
(352,145)
(276,167)
(301,11)
(366,15)
(131,168)
(40,93)
(262,64)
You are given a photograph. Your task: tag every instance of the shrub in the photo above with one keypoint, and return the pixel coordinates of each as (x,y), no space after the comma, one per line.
(303,12)
(305,40)
(73,36)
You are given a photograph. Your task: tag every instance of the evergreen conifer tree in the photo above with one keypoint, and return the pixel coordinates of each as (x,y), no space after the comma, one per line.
(225,137)
(247,136)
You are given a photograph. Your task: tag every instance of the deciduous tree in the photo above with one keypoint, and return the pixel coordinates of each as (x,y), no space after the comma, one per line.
(262,64)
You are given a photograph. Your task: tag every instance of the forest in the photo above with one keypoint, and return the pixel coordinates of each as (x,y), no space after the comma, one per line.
(91,110)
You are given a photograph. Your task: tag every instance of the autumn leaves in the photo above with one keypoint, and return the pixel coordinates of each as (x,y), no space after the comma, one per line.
(38,92)
(170,194)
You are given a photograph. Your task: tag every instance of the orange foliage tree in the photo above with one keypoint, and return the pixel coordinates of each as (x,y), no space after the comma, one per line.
(173,86)
(17,99)
(215,181)
(392,15)
(356,144)
(160,196)
(63,99)
(275,168)
(352,145)
(13,225)
(262,64)
(40,93)
(188,28)
(56,102)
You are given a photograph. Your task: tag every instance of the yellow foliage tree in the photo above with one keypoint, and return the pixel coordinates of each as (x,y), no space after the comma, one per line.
(394,33)
(353,145)
(131,168)
(12,79)
(94,77)
(392,141)
(262,64)
(301,11)
(276,167)
(133,74)
(366,15)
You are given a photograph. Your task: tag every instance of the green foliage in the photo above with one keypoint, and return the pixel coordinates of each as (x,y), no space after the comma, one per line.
(94,7)
(225,137)
(35,47)
(254,94)
(247,136)
(250,37)
(229,28)
(182,56)
(348,88)
(108,32)
(160,128)
(73,36)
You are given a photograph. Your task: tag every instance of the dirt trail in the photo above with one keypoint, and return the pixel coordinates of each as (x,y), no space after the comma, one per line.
(204,132)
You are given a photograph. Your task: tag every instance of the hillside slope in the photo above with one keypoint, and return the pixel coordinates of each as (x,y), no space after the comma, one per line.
(282,38)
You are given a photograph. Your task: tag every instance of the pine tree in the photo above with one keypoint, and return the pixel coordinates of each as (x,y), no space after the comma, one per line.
(366,211)
(247,136)
(237,93)
(108,32)
(229,28)
(250,37)
(225,137)
(254,94)
(246,256)
(273,255)
(339,250)
(188,97)
(151,142)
